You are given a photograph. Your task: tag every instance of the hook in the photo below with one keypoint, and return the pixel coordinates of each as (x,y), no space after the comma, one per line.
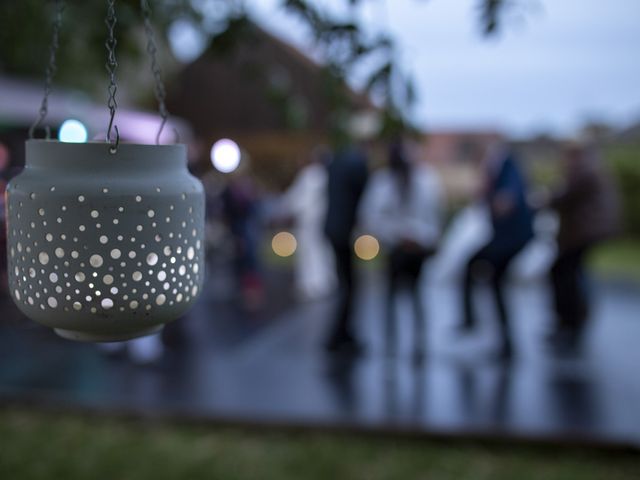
(176,135)
(162,123)
(47,130)
(114,147)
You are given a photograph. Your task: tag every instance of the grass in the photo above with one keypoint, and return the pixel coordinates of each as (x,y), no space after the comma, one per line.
(37,445)
(618,258)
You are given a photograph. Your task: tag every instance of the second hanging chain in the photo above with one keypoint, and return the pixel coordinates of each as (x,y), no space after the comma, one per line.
(111,65)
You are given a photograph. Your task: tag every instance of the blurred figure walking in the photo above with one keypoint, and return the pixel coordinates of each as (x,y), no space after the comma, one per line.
(4,285)
(347,177)
(306,202)
(588,211)
(241,203)
(512,227)
(402,208)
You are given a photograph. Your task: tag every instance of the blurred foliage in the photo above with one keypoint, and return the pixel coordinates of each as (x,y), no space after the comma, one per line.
(342,44)
(619,259)
(26,28)
(625,164)
(543,174)
(63,446)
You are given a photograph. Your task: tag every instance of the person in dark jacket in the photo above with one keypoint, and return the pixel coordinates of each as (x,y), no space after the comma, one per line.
(241,208)
(512,227)
(588,211)
(346,181)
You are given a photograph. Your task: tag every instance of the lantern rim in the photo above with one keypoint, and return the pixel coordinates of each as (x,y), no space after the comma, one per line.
(95,158)
(53,141)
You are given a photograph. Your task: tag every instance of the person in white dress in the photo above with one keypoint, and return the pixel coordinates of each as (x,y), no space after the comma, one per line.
(402,208)
(306,202)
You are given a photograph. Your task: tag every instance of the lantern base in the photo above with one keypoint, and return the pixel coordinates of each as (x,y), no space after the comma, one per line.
(105,337)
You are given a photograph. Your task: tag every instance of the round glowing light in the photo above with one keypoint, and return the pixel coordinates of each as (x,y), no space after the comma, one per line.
(225,155)
(72,131)
(284,244)
(366,247)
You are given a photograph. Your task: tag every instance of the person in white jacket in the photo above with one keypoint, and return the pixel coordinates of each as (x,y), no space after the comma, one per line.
(402,208)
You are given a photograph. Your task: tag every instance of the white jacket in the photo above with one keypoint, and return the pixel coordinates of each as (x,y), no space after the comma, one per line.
(392,217)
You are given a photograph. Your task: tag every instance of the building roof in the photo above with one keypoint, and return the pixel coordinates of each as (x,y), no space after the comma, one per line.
(259,83)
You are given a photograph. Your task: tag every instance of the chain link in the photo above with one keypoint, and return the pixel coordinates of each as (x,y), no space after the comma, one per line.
(159,90)
(49,72)
(111,66)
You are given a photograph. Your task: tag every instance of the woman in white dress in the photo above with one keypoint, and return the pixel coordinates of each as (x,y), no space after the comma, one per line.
(306,202)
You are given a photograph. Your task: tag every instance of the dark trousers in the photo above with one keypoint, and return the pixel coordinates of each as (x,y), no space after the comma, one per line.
(403,271)
(342,328)
(571,301)
(493,262)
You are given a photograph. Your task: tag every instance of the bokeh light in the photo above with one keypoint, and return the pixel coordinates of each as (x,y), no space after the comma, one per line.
(225,155)
(284,244)
(366,247)
(72,131)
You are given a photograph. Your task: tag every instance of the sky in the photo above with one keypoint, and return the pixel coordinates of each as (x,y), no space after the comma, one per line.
(568,62)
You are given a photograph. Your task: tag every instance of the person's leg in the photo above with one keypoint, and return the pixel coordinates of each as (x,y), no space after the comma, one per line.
(469,319)
(347,313)
(561,284)
(497,287)
(413,277)
(501,260)
(393,279)
(581,310)
(341,331)
(570,298)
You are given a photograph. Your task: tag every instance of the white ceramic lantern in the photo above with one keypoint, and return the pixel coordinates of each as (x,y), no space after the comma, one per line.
(105,241)
(105,247)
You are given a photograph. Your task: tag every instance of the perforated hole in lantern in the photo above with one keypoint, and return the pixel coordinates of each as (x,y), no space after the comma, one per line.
(96,261)
(106,303)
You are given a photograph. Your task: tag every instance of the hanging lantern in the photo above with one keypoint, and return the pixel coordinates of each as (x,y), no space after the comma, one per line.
(105,240)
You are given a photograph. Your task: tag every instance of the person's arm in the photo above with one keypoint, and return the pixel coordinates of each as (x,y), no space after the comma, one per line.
(576,190)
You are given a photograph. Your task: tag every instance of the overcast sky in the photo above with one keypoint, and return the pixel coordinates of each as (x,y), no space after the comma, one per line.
(570,61)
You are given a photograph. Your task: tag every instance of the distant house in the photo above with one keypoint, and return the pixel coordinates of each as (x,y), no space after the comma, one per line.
(455,153)
(269,97)
(631,134)
(457,147)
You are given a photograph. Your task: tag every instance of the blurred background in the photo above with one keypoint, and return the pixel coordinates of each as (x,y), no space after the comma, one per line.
(423,218)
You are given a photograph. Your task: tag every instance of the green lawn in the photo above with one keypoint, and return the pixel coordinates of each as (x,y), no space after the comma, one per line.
(67,447)
(618,259)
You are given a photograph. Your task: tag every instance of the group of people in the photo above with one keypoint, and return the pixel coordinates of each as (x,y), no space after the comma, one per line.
(402,206)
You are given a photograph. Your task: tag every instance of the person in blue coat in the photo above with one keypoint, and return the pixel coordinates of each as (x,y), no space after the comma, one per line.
(512,227)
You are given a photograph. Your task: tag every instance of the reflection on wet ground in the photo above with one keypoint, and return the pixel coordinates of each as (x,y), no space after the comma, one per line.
(224,363)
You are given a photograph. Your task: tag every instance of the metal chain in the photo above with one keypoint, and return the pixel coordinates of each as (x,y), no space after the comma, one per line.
(49,72)
(111,66)
(159,90)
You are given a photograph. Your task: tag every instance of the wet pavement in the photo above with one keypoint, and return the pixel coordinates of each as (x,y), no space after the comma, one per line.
(227,364)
